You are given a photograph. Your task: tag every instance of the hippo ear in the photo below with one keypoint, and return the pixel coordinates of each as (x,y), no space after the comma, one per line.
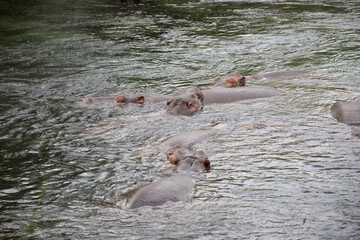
(140,100)
(231,80)
(121,99)
(169,101)
(241,81)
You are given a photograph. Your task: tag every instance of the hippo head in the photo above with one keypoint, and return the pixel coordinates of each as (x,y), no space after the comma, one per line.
(186,105)
(193,92)
(176,154)
(188,159)
(229,81)
(138,98)
(193,164)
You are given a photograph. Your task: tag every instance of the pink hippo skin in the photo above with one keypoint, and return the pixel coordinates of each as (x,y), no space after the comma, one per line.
(226,95)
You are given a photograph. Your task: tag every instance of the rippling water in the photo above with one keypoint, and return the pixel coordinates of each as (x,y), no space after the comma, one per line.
(62,166)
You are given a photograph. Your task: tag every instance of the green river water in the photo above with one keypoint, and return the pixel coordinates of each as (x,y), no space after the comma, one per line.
(63,166)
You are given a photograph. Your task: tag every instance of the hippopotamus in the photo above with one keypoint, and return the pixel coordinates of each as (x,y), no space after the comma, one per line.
(226,81)
(178,187)
(141,98)
(192,137)
(229,81)
(226,95)
(347,112)
(191,91)
(176,154)
(191,104)
(188,103)
(234,80)
(180,145)
(278,75)
(122,99)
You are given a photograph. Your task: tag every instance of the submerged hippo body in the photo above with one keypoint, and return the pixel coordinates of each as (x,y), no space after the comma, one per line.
(226,95)
(192,137)
(178,187)
(122,99)
(279,75)
(141,98)
(347,112)
(99,101)
(234,80)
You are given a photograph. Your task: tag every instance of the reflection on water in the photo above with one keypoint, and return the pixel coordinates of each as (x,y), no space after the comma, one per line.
(297,178)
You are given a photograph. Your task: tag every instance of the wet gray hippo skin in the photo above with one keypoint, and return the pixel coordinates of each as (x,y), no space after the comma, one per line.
(178,187)
(192,137)
(347,112)
(226,95)
(189,104)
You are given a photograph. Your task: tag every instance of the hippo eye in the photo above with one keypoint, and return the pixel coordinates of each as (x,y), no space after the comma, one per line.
(190,104)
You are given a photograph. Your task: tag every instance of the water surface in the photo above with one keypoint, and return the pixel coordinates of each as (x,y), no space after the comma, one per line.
(63,165)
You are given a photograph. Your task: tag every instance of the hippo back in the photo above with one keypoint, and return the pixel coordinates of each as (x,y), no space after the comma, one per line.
(226,95)
(347,112)
(178,187)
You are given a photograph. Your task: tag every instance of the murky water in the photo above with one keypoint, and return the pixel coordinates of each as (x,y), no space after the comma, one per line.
(297,179)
